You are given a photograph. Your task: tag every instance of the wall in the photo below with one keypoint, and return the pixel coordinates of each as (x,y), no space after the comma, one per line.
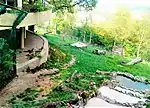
(35,62)
(30,19)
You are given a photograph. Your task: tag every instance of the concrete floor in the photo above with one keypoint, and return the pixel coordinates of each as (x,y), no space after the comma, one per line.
(30,42)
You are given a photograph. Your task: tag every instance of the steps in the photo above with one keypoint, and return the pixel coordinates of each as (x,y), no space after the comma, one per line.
(116,98)
(100,103)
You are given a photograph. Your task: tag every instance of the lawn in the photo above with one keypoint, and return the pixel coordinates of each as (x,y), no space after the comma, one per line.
(88,62)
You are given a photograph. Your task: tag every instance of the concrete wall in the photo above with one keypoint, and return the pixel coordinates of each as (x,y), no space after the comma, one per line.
(36,18)
(30,19)
(35,62)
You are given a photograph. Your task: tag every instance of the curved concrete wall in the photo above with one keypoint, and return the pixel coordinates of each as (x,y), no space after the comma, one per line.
(30,19)
(35,62)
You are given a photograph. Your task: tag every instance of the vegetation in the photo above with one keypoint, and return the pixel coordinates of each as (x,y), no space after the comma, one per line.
(88,62)
(57,58)
(86,65)
(28,99)
(119,30)
(36,6)
(57,5)
(6,63)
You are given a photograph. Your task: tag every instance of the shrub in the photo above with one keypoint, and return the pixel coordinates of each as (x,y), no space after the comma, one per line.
(6,63)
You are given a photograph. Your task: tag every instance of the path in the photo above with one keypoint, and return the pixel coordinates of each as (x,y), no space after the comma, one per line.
(28,80)
(18,85)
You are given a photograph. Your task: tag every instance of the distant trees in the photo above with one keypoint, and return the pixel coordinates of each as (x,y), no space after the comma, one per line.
(121,29)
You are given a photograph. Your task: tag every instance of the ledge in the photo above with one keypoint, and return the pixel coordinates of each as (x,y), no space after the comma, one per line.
(36,18)
(36,61)
(30,19)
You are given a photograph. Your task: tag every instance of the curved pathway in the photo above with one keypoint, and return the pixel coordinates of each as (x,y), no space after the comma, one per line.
(27,80)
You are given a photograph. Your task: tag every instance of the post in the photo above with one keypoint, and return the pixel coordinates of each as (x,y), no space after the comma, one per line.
(23,35)
(14,47)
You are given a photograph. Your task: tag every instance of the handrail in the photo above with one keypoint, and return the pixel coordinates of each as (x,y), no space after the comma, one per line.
(21,15)
(5,26)
(2,10)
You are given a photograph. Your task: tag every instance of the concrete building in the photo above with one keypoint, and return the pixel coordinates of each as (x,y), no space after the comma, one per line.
(24,23)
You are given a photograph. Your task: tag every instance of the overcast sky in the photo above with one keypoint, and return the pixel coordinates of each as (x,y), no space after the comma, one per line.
(107,7)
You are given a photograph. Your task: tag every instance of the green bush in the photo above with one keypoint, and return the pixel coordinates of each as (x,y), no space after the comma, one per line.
(6,63)
(37,6)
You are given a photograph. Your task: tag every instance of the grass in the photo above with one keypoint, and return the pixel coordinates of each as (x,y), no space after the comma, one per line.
(88,62)
(28,99)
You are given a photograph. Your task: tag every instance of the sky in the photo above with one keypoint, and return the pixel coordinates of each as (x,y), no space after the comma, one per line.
(105,8)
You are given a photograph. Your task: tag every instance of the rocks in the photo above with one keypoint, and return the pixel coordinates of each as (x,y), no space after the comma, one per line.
(102,72)
(132,62)
(130,76)
(118,97)
(135,61)
(111,94)
(99,52)
(100,103)
(79,45)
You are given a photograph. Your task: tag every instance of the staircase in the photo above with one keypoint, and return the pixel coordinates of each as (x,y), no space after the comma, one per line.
(117,97)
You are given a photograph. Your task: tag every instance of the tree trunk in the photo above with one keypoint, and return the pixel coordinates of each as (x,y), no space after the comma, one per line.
(63,37)
(139,46)
(90,38)
(138,50)
(84,36)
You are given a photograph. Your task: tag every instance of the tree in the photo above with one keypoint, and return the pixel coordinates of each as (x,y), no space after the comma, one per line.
(70,4)
(142,34)
(64,22)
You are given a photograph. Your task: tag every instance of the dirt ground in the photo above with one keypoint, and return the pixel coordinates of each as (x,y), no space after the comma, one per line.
(29,80)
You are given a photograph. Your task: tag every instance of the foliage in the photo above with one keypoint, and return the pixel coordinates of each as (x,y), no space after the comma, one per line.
(148,105)
(61,5)
(120,29)
(36,6)
(60,95)
(27,99)
(6,62)
(82,82)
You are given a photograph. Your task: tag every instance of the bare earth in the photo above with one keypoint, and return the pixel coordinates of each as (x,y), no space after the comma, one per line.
(18,85)
(28,80)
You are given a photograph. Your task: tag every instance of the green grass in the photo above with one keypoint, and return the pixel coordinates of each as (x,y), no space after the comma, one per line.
(88,62)
(27,99)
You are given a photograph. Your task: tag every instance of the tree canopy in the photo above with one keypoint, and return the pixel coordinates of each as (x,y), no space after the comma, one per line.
(70,4)
(61,5)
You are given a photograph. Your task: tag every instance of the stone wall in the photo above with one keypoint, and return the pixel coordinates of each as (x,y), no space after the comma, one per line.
(36,61)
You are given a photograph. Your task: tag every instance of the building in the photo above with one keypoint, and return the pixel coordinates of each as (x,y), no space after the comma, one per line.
(19,22)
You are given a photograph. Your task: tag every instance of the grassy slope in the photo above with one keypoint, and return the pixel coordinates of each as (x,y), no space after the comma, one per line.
(88,62)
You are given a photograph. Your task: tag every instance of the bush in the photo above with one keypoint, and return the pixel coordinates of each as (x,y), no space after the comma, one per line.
(6,63)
